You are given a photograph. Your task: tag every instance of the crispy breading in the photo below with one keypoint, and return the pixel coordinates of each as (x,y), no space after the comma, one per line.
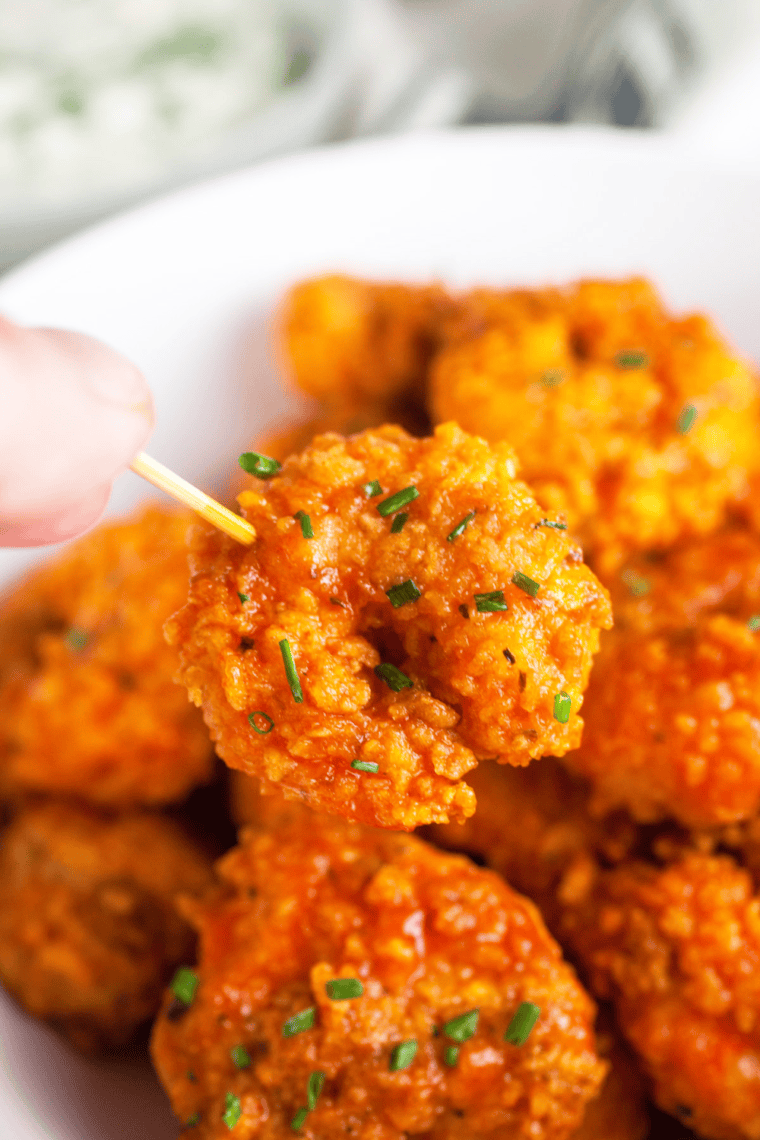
(89,933)
(429,937)
(640,427)
(473,683)
(673,706)
(88,702)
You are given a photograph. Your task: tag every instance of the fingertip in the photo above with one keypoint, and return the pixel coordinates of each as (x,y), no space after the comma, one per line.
(47,529)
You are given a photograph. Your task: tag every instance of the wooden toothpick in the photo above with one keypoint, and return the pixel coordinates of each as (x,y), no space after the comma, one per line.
(184,492)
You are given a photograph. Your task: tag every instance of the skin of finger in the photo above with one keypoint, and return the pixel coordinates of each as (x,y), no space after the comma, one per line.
(75,414)
(45,530)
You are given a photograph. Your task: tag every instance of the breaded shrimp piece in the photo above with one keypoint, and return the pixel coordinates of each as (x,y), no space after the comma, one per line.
(89,933)
(344,951)
(640,427)
(677,950)
(673,706)
(341,637)
(357,344)
(88,702)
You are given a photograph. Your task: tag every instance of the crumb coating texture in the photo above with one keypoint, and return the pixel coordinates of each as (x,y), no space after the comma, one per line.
(429,936)
(673,706)
(89,933)
(592,386)
(88,702)
(484,683)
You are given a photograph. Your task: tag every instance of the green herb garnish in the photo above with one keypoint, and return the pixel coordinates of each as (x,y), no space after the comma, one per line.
(77,639)
(451,1056)
(526,584)
(298,1120)
(463,1027)
(259,465)
(193,1121)
(184,984)
(519,1028)
(365,765)
(372,489)
(402,1055)
(264,716)
(314,1088)
(554,525)
(395,502)
(337,602)
(290,671)
(685,421)
(393,677)
(632,358)
(232,1110)
(341,989)
(406,592)
(243,598)
(240,1057)
(300,1021)
(461,527)
(491,603)
(399,522)
(306,528)
(563,703)
(754,622)
(552,377)
(637,585)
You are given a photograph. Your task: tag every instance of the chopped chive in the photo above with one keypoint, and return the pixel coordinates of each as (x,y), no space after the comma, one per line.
(632,358)
(555,525)
(314,1088)
(372,489)
(193,1121)
(399,522)
(191,1076)
(306,528)
(365,765)
(243,598)
(299,1119)
(461,526)
(519,1028)
(562,705)
(76,639)
(754,622)
(451,1056)
(264,716)
(395,502)
(402,1056)
(300,1021)
(184,984)
(341,989)
(509,656)
(259,465)
(685,421)
(232,1110)
(405,592)
(463,1027)
(491,603)
(337,602)
(393,677)
(464,611)
(240,1057)
(526,584)
(552,377)
(290,671)
(637,585)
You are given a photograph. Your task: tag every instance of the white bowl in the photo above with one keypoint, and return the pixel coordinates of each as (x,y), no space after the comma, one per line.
(186,286)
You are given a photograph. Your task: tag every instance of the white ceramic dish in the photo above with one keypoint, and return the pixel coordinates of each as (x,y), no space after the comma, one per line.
(186,286)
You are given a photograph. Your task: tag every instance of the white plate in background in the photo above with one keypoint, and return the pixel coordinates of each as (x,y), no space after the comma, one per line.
(186,286)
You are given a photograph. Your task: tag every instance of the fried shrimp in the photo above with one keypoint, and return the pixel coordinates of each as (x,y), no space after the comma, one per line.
(89,934)
(405,609)
(88,702)
(358,982)
(673,707)
(677,949)
(638,426)
(362,345)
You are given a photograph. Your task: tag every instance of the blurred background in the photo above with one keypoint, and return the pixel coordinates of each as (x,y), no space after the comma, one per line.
(106,102)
